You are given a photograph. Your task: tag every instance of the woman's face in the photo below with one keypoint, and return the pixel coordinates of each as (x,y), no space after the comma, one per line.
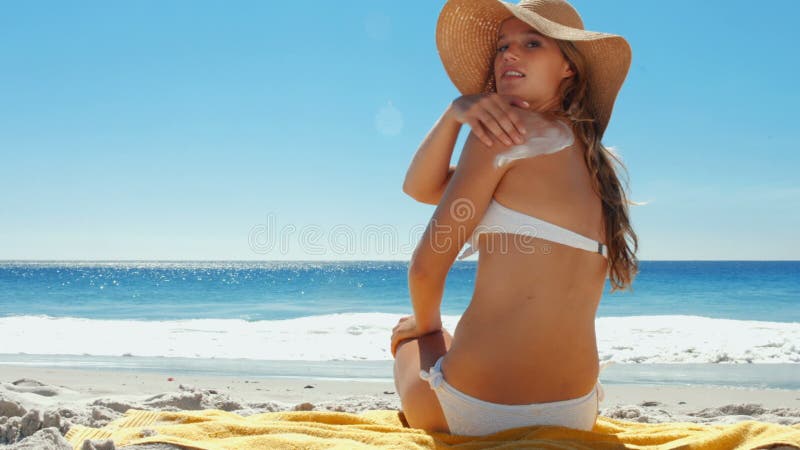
(538,57)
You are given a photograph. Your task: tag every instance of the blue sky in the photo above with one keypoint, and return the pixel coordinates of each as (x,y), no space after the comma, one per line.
(207,130)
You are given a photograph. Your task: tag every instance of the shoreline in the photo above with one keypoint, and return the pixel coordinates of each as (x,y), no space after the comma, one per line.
(768,375)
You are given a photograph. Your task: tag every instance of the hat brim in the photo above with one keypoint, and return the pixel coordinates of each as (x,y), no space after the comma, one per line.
(466,34)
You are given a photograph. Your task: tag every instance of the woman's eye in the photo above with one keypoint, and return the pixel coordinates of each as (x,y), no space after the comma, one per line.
(531,42)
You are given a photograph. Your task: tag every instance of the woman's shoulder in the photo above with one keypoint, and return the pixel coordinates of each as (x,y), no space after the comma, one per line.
(545,134)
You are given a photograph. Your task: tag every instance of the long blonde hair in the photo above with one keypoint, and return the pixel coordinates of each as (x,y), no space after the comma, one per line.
(623,264)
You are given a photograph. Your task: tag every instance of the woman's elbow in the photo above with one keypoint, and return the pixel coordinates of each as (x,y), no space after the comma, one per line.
(420,197)
(409,190)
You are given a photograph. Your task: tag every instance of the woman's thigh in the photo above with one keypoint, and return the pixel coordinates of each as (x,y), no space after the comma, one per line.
(419,402)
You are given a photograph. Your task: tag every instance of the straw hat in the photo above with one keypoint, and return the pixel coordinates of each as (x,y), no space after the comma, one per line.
(466,35)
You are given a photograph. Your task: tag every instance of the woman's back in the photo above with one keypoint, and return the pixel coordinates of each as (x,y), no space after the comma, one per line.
(528,334)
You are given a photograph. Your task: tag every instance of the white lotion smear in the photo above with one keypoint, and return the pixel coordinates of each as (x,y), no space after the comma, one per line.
(546,136)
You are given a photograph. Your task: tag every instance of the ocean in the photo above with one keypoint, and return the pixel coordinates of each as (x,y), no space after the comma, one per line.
(726,323)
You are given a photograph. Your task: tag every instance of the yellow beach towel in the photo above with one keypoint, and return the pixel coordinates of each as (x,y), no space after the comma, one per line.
(217,429)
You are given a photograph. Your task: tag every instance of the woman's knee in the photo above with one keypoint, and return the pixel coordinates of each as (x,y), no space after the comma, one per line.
(440,339)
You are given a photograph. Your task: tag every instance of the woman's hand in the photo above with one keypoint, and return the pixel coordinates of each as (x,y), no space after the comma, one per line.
(406,328)
(491,114)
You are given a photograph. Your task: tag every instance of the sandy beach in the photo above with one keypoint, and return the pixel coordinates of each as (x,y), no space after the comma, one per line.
(36,402)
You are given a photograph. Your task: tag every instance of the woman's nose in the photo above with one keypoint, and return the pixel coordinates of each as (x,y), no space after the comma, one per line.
(508,55)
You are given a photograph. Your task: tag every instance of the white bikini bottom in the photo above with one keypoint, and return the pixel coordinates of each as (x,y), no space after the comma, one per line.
(470,416)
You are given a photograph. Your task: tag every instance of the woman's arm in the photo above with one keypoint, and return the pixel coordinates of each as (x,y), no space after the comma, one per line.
(430,170)
(462,207)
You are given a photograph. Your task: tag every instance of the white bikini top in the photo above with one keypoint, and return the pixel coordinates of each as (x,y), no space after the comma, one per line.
(547,135)
(501,219)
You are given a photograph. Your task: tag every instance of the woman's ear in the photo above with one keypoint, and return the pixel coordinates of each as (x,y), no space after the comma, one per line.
(568,70)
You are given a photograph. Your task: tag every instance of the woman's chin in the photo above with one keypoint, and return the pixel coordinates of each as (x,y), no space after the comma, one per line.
(510,88)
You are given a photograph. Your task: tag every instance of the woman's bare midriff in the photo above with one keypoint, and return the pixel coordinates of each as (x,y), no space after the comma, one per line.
(528,333)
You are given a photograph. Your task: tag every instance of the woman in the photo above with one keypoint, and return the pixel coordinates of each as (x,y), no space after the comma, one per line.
(525,351)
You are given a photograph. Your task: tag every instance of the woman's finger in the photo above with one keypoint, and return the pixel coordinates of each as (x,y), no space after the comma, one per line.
(478,130)
(507,118)
(490,117)
(513,116)
(394,344)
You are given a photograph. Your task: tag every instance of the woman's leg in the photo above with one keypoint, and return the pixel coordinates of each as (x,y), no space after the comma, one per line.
(419,402)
